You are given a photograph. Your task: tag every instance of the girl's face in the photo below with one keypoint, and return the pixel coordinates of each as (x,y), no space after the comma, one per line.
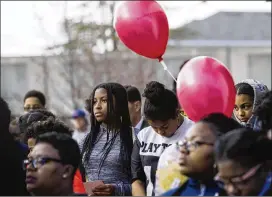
(243,108)
(240,181)
(196,152)
(165,128)
(100,104)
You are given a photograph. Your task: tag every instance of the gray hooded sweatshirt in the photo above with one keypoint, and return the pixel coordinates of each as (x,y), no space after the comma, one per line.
(259,91)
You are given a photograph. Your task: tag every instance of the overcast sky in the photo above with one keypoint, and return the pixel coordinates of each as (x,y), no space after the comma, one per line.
(23,35)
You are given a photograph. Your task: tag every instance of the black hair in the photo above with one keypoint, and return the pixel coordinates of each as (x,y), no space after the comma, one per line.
(264,111)
(36,115)
(37,94)
(133,93)
(67,147)
(245,88)
(220,124)
(5,115)
(11,157)
(244,146)
(50,124)
(174,82)
(118,116)
(33,116)
(161,103)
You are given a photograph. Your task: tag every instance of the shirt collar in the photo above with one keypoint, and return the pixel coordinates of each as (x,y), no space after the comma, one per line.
(139,124)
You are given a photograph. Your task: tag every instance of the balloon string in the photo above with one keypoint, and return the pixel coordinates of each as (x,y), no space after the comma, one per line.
(165,68)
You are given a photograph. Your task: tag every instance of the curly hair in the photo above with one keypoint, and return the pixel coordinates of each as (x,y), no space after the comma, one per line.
(50,124)
(33,116)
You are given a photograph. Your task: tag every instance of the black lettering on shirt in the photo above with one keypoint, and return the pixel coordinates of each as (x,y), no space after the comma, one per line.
(164,145)
(142,144)
(156,146)
(144,148)
(150,147)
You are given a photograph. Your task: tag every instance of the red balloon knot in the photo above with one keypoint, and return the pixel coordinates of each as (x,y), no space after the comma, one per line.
(160,59)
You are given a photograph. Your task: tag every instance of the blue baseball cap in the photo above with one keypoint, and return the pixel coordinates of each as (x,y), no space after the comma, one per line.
(78,114)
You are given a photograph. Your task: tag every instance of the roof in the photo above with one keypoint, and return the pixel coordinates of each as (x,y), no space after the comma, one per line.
(231,26)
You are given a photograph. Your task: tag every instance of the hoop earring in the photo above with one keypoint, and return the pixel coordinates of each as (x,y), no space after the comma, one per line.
(121,119)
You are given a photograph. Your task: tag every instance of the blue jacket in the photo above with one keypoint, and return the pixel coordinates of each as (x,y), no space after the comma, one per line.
(194,188)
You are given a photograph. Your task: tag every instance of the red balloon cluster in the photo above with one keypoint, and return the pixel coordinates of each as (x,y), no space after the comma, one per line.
(143,27)
(205,86)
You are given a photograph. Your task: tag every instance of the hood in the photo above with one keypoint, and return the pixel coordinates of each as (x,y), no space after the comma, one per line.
(259,91)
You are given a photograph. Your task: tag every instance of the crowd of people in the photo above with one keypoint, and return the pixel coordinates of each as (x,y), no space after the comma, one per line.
(116,148)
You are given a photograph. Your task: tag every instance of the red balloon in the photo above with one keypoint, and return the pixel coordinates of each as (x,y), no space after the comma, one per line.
(205,86)
(143,27)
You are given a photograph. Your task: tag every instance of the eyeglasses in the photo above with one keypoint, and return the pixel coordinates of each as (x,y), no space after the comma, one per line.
(191,146)
(238,180)
(29,108)
(37,163)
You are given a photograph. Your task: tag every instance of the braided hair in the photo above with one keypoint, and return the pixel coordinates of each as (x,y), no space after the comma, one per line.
(118,123)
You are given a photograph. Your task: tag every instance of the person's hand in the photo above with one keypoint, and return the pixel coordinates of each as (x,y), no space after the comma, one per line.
(104,190)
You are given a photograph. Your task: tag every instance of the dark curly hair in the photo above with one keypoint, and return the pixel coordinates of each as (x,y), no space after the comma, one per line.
(50,124)
(33,116)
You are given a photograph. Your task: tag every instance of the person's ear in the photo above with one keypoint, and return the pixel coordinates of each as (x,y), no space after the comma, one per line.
(67,171)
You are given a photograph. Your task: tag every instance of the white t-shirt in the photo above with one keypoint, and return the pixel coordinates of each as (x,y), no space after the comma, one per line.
(148,148)
(170,154)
